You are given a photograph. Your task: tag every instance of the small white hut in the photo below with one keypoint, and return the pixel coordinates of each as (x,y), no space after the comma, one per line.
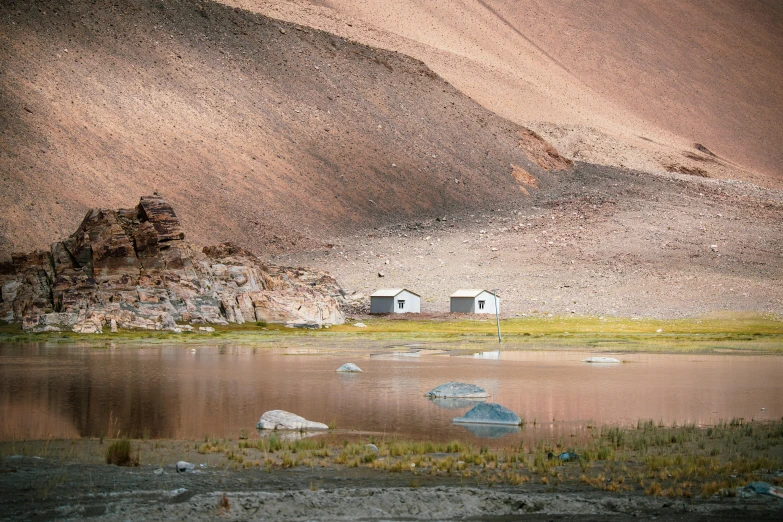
(474,302)
(395,301)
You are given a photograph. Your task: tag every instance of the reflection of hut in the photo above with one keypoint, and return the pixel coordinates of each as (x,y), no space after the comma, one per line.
(395,301)
(474,302)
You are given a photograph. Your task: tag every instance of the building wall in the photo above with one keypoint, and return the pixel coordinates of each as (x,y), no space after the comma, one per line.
(489,303)
(462,305)
(381,305)
(412,303)
(470,305)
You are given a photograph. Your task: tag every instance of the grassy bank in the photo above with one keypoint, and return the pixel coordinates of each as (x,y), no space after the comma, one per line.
(673,461)
(732,332)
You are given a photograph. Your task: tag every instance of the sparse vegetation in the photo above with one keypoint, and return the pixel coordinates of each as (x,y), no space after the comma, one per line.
(119,453)
(682,461)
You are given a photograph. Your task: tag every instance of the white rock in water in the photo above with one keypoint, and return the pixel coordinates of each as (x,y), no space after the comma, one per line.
(283,420)
(601,360)
(349,367)
(458,389)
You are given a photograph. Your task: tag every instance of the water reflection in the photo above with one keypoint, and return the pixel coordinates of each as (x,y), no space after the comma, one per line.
(490,431)
(222,390)
(494,356)
(457,403)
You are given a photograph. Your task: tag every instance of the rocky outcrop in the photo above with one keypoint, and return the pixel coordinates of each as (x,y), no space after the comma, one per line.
(132,268)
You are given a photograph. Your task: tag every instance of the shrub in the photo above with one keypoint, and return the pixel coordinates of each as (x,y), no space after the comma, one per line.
(119,453)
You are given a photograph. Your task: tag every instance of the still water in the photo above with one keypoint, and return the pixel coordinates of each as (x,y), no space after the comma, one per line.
(221,391)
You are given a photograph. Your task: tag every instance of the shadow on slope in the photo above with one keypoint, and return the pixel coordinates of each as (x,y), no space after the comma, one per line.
(258,131)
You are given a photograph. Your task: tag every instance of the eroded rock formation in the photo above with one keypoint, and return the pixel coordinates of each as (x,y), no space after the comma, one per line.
(132,268)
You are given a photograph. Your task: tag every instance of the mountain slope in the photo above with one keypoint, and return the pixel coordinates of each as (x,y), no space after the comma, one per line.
(257,131)
(634,84)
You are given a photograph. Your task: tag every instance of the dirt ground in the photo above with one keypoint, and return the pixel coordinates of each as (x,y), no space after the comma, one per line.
(37,488)
(595,241)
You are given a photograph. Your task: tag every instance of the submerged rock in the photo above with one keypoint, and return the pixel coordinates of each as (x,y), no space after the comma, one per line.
(601,360)
(283,420)
(490,413)
(349,367)
(455,389)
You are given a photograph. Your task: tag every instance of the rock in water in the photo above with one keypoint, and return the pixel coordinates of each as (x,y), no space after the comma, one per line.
(283,420)
(490,413)
(601,360)
(458,389)
(349,367)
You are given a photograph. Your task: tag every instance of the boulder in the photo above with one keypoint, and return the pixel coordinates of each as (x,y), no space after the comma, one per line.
(283,420)
(349,367)
(185,467)
(455,389)
(489,413)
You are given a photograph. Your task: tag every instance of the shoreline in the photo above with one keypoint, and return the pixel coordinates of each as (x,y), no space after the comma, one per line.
(680,472)
(725,332)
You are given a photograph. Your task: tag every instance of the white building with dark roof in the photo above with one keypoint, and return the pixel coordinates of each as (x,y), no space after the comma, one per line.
(395,301)
(474,302)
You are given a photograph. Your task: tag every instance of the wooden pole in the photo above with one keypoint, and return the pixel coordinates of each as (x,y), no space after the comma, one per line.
(497,314)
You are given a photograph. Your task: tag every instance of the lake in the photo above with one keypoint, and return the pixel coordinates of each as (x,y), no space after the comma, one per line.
(169,391)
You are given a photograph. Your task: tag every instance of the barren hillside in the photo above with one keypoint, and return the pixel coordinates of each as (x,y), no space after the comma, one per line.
(258,131)
(635,84)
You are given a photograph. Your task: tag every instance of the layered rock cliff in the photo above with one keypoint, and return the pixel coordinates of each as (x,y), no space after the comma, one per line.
(132,268)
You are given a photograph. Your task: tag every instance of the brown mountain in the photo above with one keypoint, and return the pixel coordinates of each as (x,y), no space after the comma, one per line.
(635,84)
(256,130)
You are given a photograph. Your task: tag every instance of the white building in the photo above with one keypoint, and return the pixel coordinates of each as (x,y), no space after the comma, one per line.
(395,301)
(474,302)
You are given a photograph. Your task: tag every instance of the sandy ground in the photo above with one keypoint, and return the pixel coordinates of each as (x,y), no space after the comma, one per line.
(48,489)
(598,241)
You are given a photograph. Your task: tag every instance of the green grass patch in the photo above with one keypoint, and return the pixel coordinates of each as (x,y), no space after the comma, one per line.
(715,333)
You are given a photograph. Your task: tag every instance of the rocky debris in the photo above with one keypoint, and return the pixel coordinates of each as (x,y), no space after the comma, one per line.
(283,420)
(764,488)
(601,360)
(455,389)
(489,413)
(349,367)
(131,268)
